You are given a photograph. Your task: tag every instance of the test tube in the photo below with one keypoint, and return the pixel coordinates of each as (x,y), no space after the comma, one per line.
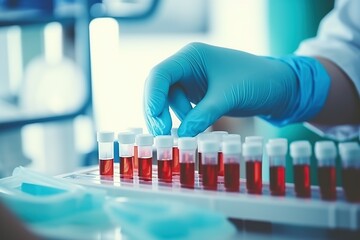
(219,136)
(232,156)
(175,150)
(187,154)
(164,145)
(300,152)
(210,150)
(232,137)
(202,137)
(276,151)
(252,152)
(254,139)
(350,158)
(126,154)
(325,152)
(136,131)
(106,153)
(145,143)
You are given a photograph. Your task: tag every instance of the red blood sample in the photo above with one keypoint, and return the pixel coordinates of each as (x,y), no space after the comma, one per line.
(165,170)
(106,167)
(209,176)
(302,180)
(327,182)
(232,176)
(200,162)
(254,177)
(187,172)
(136,158)
(277,180)
(175,161)
(351,180)
(220,164)
(145,169)
(126,169)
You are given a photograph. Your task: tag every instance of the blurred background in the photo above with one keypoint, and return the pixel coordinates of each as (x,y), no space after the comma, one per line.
(71,67)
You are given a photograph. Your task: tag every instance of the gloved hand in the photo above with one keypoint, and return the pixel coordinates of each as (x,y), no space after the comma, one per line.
(229,82)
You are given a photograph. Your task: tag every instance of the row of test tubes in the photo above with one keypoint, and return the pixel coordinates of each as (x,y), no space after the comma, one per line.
(219,154)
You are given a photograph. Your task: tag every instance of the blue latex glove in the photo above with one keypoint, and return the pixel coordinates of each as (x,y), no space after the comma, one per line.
(229,82)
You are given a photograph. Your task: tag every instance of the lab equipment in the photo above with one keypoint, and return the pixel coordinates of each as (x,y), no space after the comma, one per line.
(210,152)
(325,152)
(232,137)
(252,152)
(300,152)
(106,152)
(136,131)
(187,155)
(350,157)
(219,135)
(254,139)
(126,154)
(232,156)
(144,144)
(276,151)
(176,164)
(164,148)
(202,137)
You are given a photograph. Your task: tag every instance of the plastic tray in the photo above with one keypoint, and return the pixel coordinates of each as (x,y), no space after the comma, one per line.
(283,210)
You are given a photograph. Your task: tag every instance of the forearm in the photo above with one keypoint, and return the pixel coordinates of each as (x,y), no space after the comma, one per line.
(342,105)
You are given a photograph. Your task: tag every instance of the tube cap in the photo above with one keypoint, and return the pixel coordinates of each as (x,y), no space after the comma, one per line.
(219,135)
(254,139)
(126,137)
(325,150)
(105,136)
(209,146)
(300,149)
(232,137)
(187,143)
(276,148)
(144,140)
(136,130)
(164,141)
(283,140)
(231,147)
(349,151)
(252,149)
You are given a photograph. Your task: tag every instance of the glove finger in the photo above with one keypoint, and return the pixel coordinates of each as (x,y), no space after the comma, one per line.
(161,124)
(179,102)
(202,116)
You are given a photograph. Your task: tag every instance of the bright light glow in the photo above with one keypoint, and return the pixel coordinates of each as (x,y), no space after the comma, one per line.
(15,58)
(53,48)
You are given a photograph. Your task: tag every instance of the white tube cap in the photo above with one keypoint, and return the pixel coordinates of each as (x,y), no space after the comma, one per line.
(209,146)
(325,150)
(300,149)
(136,130)
(126,137)
(252,149)
(187,143)
(144,140)
(232,137)
(219,135)
(349,151)
(254,139)
(276,148)
(164,141)
(231,147)
(283,140)
(105,136)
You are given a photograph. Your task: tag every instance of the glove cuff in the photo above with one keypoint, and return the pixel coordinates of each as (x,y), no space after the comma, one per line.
(314,84)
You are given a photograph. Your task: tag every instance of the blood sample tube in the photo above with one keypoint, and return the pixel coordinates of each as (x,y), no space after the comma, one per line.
(232,155)
(175,152)
(145,143)
(276,151)
(164,145)
(202,137)
(252,152)
(106,153)
(187,154)
(136,131)
(325,152)
(300,152)
(350,159)
(126,154)
(219,136)
(210,150)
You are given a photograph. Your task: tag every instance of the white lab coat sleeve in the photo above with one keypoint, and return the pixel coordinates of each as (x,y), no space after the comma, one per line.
(338,40)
